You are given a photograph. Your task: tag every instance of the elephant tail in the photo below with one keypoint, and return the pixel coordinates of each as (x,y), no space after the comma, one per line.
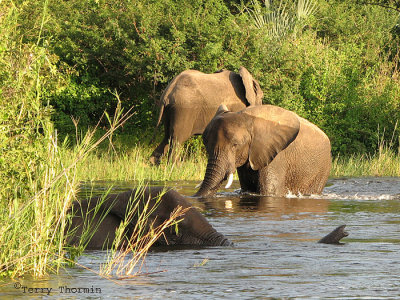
(160,115)
(164,101)
(158,124)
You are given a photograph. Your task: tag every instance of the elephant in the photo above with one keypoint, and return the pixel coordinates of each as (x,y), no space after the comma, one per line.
(274,150)
(191,99)
(335,236)
(192,227)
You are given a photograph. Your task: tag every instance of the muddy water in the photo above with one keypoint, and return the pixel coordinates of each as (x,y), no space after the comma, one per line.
(276,253)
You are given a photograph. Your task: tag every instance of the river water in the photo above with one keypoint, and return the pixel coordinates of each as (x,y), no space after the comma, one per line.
(276,254)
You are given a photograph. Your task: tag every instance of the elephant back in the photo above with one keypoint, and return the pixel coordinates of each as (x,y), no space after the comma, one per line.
(273,113)
(313,132)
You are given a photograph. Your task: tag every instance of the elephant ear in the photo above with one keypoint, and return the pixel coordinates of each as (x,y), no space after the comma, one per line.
(254,94)
(221,110)
(271,137)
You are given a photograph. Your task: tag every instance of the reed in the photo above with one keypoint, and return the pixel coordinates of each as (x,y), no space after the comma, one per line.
(126,259)
(33,224)
(384,162)
(134,165)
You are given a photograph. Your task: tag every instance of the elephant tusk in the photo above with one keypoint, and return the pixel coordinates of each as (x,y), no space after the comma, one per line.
(197,186)
(230,180)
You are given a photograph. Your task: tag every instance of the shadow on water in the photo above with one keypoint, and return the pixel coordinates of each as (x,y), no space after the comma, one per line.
(276,253)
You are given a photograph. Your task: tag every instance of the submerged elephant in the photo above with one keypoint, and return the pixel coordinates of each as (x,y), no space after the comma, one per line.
(191,99)
(192,229)
(274,150)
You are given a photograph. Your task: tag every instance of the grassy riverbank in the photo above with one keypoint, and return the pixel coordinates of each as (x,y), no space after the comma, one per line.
(133,164)
(385,162)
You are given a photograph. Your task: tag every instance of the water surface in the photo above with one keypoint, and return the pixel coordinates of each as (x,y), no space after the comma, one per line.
(276,254)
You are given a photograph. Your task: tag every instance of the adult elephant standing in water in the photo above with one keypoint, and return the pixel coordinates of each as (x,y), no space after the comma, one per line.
(191,99)
(274,150)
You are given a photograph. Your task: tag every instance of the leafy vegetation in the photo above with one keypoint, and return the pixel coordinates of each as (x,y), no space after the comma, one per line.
(63,63)
(334,62)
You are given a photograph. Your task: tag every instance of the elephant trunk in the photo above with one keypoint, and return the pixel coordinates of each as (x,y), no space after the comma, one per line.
(212,238)
(217,239)
(215,174)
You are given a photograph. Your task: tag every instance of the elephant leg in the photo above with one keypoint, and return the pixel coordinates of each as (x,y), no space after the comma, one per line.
(163,147)
(272,180)
(267,181)
(160,151)
(180,131)
(308,181)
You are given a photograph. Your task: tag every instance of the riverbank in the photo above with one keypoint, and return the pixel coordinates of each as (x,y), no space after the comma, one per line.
(133,165)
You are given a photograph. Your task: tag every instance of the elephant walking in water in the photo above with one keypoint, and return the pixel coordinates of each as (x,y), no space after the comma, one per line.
(274,151)
(192,228)
(191,99)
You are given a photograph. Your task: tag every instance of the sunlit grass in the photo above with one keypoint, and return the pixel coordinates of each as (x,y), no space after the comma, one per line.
(385,162)
(32,232)
(134,165)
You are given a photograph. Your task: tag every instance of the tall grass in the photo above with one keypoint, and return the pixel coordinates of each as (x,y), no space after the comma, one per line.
(126,258)
(38,175)
(33,223)
(133,164)
(384,162)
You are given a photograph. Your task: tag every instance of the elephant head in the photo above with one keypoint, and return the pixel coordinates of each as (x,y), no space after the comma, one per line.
(251,137)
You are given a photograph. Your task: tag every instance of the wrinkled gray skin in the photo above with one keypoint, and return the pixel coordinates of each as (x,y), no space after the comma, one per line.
(274,151)
(192,230)
(192,98)
(335,236)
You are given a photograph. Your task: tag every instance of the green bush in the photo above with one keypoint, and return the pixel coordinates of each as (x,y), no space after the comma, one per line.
(135,48)
(338,74)
(26,72)
(336,67)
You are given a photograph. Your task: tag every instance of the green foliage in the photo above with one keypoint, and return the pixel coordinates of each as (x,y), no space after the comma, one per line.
(337,66)
(134,47)
(338,74)
(82,100)
(26,71)
(30,223)
(390,4)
